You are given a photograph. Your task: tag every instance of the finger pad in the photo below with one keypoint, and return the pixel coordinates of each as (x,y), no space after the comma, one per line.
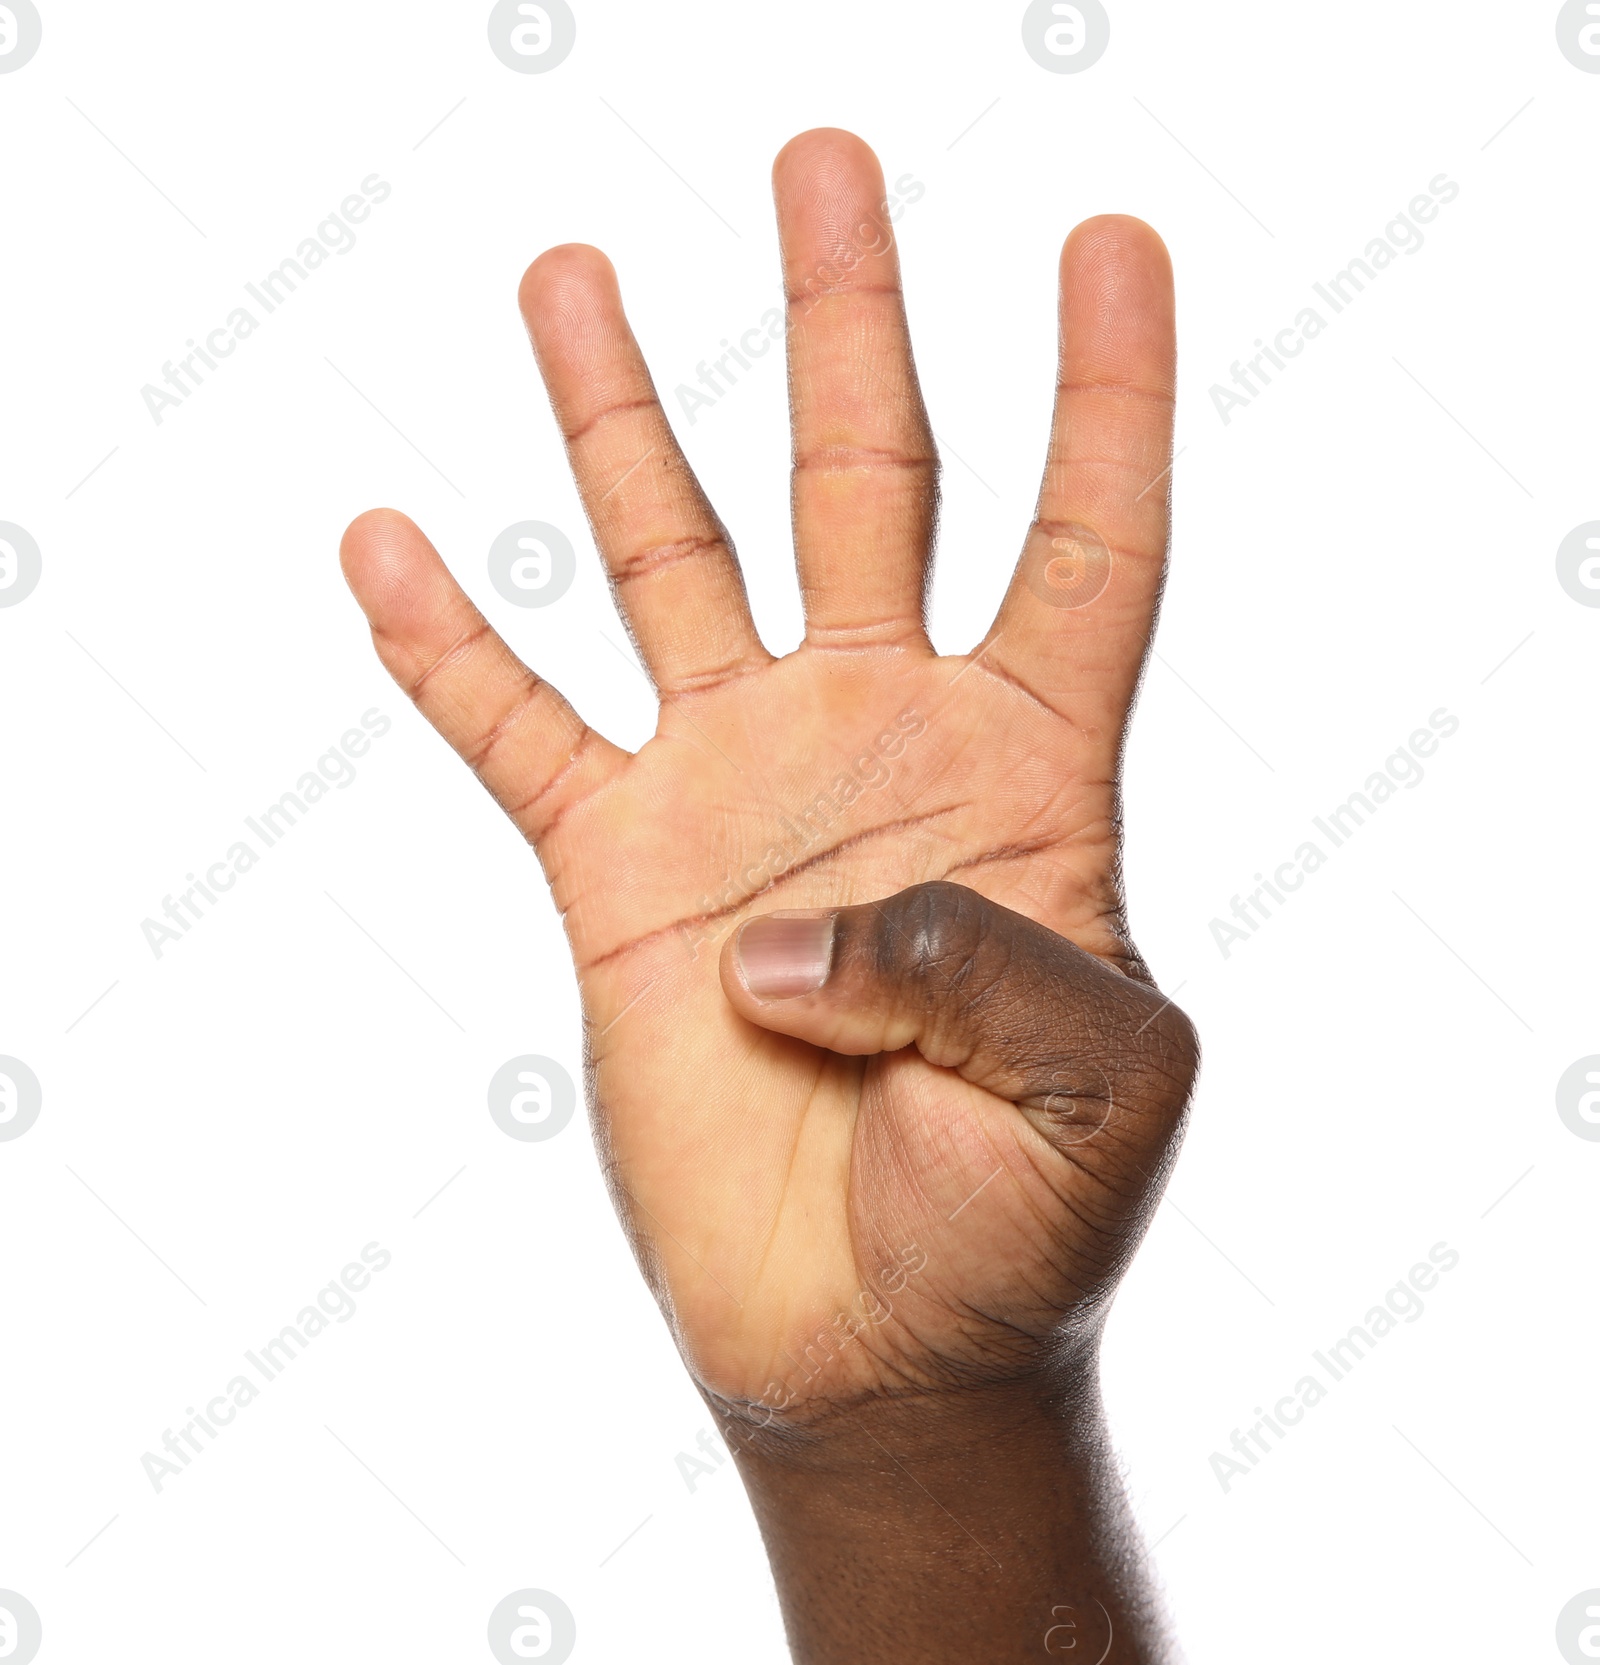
(389,565)
(1117,303)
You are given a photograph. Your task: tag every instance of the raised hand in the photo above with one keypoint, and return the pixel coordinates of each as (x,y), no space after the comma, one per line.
(900,1155)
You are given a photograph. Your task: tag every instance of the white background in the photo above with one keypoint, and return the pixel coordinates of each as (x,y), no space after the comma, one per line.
(1362,545)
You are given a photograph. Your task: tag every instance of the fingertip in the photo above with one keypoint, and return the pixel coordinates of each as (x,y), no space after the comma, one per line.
(572,309)
(373,535)
(565,280)
(385,556)
(1117,305)
(1125,232)
(832,221)
(1116,249)
(372,526)
(822,148)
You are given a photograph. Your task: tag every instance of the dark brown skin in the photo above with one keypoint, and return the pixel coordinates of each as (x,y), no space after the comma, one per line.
(989,1528)
(1080,1075)
(883,1219)
(972,1509)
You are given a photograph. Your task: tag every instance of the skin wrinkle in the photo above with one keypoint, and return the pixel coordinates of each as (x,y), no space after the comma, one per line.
(452,655)
(817,291)
(690,920)
(1055,527)
(1007,852)
(621,408)
(914,1177)
(1084,1174)
(1140,468)
(897,635)
(1001,674)
(716,678)
(801,1123)
(1074,795)
(859,459)
(478,754)
(656,558)
(1163,395)
(585,740)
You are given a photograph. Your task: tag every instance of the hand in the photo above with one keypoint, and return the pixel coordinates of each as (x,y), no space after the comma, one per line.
(892,1186)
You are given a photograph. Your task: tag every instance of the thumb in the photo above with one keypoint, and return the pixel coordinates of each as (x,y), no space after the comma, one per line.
(1001,1000)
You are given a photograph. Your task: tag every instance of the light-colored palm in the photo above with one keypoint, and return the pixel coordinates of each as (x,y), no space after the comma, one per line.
(817,1225)
(778,1183)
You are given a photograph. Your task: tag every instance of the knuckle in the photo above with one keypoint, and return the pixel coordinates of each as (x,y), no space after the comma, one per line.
(1166,1056)
(932,932)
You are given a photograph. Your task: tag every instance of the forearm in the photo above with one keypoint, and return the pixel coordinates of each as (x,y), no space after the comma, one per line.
(983,1527)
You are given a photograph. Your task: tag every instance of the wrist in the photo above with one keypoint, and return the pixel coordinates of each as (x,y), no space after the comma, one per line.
(965,1524)
(827,1440)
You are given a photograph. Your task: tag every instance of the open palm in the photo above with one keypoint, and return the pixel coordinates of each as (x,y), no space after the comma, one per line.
(818,1225)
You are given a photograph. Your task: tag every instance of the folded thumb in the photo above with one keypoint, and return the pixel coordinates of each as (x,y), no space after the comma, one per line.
(976,988)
